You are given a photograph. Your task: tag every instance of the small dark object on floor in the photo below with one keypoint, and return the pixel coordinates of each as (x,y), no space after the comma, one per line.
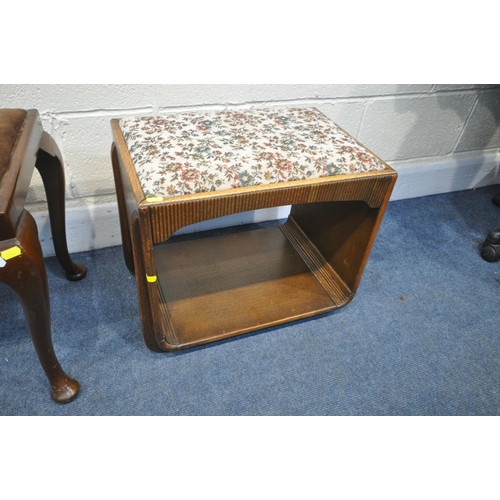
(490,250)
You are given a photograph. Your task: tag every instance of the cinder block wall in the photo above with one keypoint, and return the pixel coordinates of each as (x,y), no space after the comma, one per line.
(439,137)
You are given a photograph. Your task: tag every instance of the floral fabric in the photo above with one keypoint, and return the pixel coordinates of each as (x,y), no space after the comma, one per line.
(199,152)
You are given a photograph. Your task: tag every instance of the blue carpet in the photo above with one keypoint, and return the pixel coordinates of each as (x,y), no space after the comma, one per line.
(419,338)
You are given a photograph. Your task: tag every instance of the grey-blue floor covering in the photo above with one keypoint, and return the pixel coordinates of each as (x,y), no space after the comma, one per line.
(421,336)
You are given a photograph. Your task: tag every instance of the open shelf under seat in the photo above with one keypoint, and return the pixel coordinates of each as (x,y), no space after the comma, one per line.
(218,287)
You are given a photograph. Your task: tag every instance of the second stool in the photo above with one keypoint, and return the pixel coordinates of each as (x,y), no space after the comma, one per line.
(24,145)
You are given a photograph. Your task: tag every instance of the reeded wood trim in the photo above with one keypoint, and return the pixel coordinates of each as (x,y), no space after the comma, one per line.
(167,218)
(168,337)
(337,290)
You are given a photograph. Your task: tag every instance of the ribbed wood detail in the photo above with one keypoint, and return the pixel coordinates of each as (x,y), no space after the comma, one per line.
(169,217)
(166,320)
(322,271)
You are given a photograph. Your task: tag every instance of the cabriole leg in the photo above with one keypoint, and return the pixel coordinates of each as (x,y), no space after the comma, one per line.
(26,275)
(52,174)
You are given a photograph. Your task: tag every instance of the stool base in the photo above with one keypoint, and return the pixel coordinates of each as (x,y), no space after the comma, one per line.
(214,288)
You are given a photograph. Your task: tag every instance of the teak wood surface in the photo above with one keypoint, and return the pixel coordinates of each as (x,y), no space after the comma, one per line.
(208,289)
(25,273)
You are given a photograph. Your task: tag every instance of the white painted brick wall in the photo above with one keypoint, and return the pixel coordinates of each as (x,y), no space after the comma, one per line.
(400,128)
(416,125)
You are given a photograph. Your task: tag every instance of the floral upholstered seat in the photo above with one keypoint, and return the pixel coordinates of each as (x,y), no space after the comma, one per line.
(199,152)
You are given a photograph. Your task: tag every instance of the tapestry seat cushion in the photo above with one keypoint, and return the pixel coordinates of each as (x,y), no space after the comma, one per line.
(189,153)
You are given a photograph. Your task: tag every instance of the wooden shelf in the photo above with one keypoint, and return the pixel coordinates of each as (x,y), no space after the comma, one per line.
(218,287)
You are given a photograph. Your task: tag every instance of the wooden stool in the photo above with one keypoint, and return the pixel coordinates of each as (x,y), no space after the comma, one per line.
(177,170)
(23,146)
